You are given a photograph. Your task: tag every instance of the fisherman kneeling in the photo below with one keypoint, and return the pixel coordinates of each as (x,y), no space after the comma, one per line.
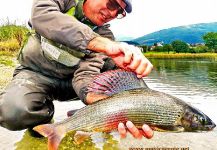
(70,45)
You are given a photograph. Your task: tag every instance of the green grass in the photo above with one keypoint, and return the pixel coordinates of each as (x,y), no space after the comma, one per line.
(8,58)
(6,62)
(181,55)
(8,53)
(8,32)
(12,36)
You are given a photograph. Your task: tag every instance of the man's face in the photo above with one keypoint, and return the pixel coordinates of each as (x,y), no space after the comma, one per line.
(102,11)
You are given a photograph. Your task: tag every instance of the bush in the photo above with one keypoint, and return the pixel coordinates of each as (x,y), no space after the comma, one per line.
(180,46)
(167,48)
(12,36)
(9,32)
(10,45)
(158,49)
(210,39)
(199,49)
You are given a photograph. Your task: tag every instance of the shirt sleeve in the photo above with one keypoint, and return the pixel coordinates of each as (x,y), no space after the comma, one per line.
(48,18)
(92,65)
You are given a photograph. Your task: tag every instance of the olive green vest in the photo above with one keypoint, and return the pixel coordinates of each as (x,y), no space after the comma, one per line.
(63,54)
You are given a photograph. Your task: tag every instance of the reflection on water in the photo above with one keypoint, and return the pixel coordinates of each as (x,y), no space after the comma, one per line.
(185,77)
(194,81)
(164,140)
(105,141)
(96,142)
(190,80)
(30,142)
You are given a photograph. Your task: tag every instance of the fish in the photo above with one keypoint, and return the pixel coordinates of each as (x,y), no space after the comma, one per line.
(126,97)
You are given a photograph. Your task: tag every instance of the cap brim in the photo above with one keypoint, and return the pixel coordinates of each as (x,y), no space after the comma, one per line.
(128,8)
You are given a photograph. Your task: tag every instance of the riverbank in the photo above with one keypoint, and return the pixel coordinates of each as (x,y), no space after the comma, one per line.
(8,61)
(212,56)
(7,65)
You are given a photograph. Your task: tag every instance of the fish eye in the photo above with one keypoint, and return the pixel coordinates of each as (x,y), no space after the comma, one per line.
(202,120)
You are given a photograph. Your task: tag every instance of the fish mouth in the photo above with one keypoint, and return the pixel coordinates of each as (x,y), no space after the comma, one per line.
(210,127)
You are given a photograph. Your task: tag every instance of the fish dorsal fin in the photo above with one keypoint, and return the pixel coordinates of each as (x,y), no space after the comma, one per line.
(115,81)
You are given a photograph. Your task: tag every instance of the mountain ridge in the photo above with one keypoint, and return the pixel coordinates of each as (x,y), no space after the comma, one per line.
(190,34)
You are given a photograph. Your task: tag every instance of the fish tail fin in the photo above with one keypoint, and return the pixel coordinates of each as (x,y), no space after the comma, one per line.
(54,134)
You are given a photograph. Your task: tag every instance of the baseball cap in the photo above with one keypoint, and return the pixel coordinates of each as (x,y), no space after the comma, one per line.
(128,8)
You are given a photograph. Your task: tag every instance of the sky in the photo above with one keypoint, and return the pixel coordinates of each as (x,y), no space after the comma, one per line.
(147,15)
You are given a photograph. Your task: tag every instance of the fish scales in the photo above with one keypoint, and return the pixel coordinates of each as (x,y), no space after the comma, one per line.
(128,105)
(129,98)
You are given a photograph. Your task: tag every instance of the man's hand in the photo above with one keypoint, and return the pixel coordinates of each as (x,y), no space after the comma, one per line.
(146,130)
(125,56)
(130,58)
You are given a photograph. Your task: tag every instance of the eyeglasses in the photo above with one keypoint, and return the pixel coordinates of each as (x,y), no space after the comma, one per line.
(113,5)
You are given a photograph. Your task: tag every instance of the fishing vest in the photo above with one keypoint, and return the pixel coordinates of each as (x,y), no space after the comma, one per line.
(63,54)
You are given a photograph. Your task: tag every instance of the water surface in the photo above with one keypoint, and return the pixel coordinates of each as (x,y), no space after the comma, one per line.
(194,81)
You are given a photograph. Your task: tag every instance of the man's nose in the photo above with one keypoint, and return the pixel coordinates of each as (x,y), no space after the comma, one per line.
(114,13)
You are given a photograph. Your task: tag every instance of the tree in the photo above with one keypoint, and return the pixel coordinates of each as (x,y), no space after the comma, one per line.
(144,48)
(158,49)
(211,40)
(167,48)
(180,46)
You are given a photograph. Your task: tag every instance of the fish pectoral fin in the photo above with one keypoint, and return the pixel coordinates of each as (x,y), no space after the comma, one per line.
(81,136)
(158,129)
(179,129)
(71,112)
(168,128)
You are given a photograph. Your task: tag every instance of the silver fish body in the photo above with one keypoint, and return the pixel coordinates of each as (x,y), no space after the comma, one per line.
(159,110)
(128,98)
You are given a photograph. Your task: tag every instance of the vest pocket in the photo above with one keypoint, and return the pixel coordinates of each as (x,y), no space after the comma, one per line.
(52,52)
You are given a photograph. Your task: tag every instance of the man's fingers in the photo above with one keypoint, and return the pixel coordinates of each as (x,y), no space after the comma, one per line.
(135,62)
(127,56)
(136,56)
(130,58)
(133,130)
(148,132)
(147,70)
(122,131)
(142,67)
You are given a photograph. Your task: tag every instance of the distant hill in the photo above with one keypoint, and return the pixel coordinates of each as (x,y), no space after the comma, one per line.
(124,38)
(190,34)
(132,42)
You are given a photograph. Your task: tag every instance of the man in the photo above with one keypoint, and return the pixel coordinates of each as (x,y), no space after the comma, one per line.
(71,45)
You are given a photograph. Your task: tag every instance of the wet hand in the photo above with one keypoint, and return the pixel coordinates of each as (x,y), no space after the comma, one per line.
(130,58)
(146,130)
(125,56)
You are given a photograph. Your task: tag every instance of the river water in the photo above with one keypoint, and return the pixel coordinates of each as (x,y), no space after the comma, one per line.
(194,81)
